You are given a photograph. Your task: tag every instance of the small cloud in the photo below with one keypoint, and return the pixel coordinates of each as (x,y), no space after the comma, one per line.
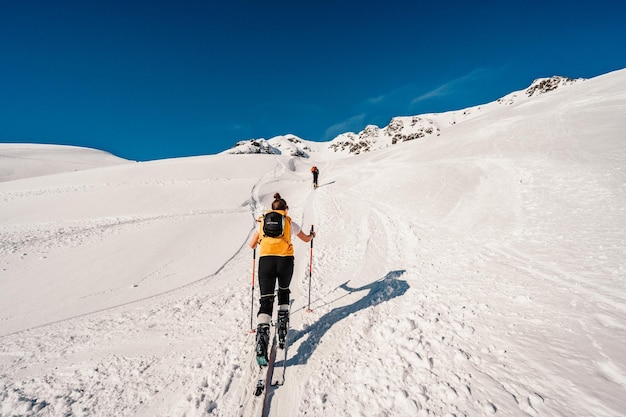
(452,86)
(352,124)
(393,96)
(437,92)
(375,100)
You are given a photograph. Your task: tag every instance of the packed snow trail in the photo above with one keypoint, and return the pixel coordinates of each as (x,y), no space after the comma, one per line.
(279,400)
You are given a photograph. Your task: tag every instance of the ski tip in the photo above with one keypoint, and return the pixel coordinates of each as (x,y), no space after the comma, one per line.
(308,310)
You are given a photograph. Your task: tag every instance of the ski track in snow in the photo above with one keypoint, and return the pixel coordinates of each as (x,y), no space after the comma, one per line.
(468,276)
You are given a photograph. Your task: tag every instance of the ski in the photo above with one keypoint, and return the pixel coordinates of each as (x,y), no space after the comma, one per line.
(266,371)
(278,377)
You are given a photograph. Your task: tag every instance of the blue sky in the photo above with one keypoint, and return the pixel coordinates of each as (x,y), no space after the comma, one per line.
(157,79)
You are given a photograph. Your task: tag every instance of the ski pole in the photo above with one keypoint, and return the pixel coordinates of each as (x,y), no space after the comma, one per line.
(252,294)
(310,272)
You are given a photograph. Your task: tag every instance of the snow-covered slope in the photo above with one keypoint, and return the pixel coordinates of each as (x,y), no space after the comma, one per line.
(24,160)
(478,272)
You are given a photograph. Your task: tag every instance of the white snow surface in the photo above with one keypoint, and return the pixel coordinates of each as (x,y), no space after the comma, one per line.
(23,160)
(480,272)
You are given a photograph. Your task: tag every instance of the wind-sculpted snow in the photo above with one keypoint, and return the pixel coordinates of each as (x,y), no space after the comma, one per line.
(478,272)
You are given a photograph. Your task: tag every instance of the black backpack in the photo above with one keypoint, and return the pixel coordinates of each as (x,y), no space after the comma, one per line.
(273,224)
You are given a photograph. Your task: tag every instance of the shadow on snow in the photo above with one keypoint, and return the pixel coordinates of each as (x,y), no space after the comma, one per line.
(325,184)
(382,290)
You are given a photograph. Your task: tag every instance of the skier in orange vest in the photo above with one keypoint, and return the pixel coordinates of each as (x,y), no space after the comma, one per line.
(315,172)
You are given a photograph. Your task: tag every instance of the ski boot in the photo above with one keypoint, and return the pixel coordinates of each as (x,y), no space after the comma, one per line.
(262,342)
(283,327)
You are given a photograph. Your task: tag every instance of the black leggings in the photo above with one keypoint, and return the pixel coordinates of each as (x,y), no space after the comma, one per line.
(272,268)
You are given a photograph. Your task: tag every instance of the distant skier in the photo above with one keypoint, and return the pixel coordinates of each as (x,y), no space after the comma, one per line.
(276,262)
(316,173)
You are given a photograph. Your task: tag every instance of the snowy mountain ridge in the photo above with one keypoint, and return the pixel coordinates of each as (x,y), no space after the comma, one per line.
(279,145)
(400,129)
